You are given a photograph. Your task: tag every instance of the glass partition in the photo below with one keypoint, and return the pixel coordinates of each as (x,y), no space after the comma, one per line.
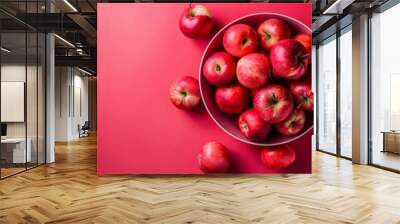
(14,153)
(346,92)
(385,89)
(23,92)
(41,107)
(326,138)
(32,95)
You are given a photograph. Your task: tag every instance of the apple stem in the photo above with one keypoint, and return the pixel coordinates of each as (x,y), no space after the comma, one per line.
(273,99)
(244,41)
(218,68)
(244,126)
(305,100)
(267,36)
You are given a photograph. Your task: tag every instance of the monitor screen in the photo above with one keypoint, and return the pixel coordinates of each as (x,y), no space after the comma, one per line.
(3,129)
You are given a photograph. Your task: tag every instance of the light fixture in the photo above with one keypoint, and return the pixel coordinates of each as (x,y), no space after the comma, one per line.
(84,71)
(5,50)
(70,5)
(337,7)
(64,40)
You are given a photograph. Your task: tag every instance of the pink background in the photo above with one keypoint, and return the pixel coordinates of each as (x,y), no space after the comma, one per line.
(141,51)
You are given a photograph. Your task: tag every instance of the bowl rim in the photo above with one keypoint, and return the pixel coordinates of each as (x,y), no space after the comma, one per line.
(201,77)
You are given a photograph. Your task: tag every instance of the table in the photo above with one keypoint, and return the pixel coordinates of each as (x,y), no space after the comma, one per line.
(391,141)
(13,150)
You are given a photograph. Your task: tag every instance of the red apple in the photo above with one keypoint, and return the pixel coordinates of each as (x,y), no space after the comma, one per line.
(305,40)
(289,59)
(253,92)
(232,99)
(239,40)
(278,157)
(196,22)
(220,68)
(185,93)
(253,70)
(214,158)
(271,31)
(302,91)
(253,126)
(293,125)
(274,103)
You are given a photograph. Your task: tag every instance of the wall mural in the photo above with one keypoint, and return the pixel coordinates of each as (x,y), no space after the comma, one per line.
(204,88)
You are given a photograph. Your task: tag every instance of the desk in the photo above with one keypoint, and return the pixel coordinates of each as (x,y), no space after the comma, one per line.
(13,150)
(391,141)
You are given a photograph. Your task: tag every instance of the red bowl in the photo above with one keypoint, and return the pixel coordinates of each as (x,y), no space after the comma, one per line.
(230,123)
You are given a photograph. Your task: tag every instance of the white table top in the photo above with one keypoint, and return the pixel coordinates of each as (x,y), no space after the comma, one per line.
(13,140)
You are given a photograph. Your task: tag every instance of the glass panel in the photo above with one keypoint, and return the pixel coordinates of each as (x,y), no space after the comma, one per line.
(385,84)
(31,100)
(13,89)
(41,98)
(22,90)
(31,88)
(346,94)
(313,82)
(327,96)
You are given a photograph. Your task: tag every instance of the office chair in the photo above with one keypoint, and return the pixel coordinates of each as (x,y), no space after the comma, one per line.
(84,130)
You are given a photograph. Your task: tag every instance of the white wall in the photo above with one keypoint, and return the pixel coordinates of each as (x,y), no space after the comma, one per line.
(71,92)
(16,73)
(79,117)
(61,103)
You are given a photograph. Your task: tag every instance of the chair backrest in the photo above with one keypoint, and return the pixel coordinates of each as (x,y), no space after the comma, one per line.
(86,124)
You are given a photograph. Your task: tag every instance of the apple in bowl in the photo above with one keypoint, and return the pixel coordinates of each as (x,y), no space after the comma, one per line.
(292,125)
(253,126)
(274,103)
(289,59)
(271,31)
(253,70)
(302,91)
(232,99)
(239,40)
(219,69)
(305,40)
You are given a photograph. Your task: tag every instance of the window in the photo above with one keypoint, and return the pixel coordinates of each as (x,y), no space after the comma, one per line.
(385,89)
(346,92)
(327,96)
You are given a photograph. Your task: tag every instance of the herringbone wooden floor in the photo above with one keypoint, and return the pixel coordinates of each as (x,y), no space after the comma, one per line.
(70,191)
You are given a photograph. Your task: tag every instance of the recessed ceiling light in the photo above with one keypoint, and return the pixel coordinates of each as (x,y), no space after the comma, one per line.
(84,71)
(5,50)
(64,40)
(70,5)
(337,7)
